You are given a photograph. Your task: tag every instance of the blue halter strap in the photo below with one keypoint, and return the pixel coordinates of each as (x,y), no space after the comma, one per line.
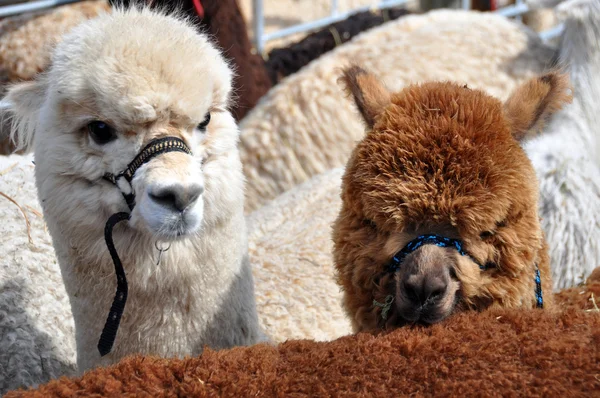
(442,241)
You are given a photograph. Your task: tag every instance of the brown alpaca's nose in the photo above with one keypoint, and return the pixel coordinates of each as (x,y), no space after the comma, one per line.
(177,197)
(423,288)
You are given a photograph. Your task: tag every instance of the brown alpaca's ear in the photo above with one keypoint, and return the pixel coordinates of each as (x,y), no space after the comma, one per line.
(531,104)
(370,95)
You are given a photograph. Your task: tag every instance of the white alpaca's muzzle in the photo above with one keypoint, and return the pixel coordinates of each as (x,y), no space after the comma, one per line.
(123,182)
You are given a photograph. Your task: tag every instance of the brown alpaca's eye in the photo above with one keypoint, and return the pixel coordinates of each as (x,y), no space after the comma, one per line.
(101,132)
(369,223)
(202,126)
(486,235)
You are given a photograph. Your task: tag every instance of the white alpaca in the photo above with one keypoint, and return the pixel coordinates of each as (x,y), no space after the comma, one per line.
(566,157)
(115,84)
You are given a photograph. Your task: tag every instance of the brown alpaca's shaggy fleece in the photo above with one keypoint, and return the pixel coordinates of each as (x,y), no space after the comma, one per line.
(490,354)
(440,158)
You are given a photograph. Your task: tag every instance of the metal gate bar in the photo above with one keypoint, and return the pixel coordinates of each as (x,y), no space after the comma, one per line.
(15,9)
(335,16)
(260,38)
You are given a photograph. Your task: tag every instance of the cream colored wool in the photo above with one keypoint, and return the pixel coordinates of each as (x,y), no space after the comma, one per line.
(290,250)
(305,126)
(567,156)
(37,340)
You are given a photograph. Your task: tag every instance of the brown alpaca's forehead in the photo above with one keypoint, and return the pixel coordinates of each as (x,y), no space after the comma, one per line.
(440,154)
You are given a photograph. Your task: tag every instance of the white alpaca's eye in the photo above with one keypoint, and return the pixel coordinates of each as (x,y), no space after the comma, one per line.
(101,132)
(202,126)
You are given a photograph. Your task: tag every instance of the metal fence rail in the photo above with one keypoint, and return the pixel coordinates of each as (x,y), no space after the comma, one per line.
(15,9)
(335,16)
(258,20)
(260,38)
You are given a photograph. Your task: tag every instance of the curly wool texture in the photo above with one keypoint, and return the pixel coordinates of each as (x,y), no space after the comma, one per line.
(290,249)
(36,326)
(567,156)
(284,61)
(25,40)
(501,353)
(303,126)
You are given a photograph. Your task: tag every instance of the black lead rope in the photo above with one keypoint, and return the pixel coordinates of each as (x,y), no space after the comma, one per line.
(109,333)
(153,149)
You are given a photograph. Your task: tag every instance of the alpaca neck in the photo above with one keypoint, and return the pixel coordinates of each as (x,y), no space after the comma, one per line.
(170,304)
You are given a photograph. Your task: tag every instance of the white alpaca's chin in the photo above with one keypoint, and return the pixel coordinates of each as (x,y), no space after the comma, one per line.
(172,225)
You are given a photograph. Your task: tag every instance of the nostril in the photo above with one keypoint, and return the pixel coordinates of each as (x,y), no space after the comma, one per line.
(419,289)
(194,193)
(411,290)
(164,197)
(177,197)
(435,288)
(437,293)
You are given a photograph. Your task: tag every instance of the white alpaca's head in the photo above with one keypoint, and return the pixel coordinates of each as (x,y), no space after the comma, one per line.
(116,83)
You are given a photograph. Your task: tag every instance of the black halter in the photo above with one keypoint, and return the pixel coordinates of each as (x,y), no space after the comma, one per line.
(123,182)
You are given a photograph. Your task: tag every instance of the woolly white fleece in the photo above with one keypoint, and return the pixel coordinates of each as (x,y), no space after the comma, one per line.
(567,156)
(37,335)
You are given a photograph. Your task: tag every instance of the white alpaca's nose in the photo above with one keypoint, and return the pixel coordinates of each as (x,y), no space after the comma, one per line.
(176,197)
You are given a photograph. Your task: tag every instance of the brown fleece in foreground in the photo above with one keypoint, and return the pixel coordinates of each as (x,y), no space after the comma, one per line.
(494,353)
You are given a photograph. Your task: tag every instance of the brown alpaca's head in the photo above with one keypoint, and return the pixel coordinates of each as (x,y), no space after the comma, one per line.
(443,160)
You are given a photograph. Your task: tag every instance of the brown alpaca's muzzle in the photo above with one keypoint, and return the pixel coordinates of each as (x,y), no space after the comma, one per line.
(426,288)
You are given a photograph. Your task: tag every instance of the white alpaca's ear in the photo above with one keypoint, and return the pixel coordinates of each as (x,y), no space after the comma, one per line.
(533,102)
(19,111)
(370,95)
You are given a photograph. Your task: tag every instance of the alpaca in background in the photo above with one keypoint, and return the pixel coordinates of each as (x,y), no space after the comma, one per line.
(567,156)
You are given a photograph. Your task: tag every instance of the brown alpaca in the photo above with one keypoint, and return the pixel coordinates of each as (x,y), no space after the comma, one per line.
(441,175)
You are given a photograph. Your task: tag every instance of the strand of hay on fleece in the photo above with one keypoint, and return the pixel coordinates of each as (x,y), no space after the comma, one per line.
(305,125)
(290,251)
(36,327)
(494,353)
